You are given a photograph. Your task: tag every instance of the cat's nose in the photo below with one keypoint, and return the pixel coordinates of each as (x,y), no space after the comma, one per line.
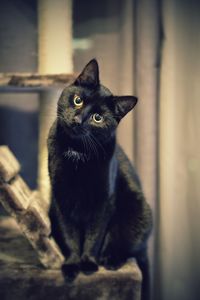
(78,119)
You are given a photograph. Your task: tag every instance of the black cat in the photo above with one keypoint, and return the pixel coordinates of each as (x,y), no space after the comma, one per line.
(98,212)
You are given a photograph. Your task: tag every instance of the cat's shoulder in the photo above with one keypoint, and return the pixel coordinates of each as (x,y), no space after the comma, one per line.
(126,167)
(52,130)
(123,159)
(52,138)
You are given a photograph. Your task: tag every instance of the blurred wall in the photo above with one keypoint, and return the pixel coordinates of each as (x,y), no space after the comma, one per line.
(179,151)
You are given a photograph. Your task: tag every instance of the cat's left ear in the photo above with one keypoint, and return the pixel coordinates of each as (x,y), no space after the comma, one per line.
(123,104)
(90,75)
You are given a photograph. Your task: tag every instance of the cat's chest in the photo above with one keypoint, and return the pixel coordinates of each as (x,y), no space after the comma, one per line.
(84,192)
(84,180)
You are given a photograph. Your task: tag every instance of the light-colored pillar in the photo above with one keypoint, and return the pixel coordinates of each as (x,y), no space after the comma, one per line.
(47,113)
(55,36)
(55,57)
(179,151)
(146,137)
(126,83)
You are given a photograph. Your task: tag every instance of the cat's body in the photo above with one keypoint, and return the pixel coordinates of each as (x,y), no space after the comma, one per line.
(98,212)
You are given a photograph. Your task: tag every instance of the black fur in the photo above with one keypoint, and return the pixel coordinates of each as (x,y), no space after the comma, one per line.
(98,212)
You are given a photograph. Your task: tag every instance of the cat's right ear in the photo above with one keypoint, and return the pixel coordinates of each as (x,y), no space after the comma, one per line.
(90,75)
(123,104)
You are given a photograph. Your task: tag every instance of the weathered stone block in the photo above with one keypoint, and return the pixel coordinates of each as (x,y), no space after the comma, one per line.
(9,166)
(35,218)
(17,193)
(29,210)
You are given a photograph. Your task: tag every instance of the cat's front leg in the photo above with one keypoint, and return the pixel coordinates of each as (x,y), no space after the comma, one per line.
(67,238)
(112,257)
(90,251)
(88,264)
(94,236)
(71,265)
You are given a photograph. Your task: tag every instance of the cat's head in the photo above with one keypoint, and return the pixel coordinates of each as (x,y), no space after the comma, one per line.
(87,108)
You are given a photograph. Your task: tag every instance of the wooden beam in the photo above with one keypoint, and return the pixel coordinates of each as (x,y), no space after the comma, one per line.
(27,80)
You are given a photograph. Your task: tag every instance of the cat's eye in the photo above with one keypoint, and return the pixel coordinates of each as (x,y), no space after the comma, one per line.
(78,101)
(97,118)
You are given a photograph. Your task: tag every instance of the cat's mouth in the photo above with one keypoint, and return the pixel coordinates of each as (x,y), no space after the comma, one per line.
(76,131)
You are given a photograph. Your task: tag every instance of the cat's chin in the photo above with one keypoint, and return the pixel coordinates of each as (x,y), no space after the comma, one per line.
(76,133)
(73,134)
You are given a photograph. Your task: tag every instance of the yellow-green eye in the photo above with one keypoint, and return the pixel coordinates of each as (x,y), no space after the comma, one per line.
(78,101)
(97,118)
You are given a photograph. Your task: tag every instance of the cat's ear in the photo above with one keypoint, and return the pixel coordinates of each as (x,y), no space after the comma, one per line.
(123,104)
(90,75)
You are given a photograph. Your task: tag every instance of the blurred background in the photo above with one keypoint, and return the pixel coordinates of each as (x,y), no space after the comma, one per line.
(148,48)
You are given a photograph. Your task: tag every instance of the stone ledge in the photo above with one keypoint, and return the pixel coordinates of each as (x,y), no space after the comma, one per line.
(22,277)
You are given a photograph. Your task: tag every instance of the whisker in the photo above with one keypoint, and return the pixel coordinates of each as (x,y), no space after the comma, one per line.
(94,147)
(98,143)
(89,147)
(84,146)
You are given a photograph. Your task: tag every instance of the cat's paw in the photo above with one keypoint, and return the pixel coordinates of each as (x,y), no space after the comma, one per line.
(70,270)
(88,264)
(111,263)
